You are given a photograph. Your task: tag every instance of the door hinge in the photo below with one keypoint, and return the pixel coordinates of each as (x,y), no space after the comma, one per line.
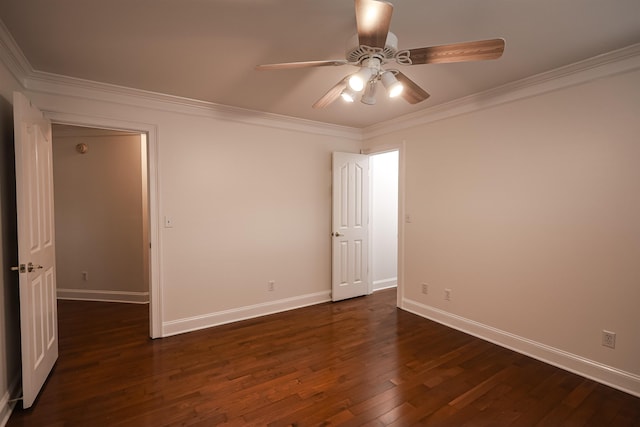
(21,268)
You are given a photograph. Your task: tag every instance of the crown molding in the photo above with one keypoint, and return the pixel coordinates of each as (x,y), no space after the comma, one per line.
(55,84)
(11,55)
(618,61)
(608,64)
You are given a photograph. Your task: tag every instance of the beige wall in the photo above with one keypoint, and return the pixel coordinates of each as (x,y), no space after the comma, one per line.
(529,212)
(249,204)
(99,215)
(9,315)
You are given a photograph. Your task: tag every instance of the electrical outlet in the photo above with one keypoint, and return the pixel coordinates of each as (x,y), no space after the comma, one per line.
(271,285)
(447,294)
(609,339)
(425,288)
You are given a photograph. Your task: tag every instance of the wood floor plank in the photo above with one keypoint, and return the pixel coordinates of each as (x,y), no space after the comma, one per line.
(360,362)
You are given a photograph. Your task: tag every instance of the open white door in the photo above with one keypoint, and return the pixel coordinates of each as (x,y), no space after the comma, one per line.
(36,249)
(350,247)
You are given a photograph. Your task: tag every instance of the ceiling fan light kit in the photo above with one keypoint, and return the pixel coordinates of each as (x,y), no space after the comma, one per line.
(358,80)
(374,46)
(348,94)
(369,95)
(368,77)
(393,86)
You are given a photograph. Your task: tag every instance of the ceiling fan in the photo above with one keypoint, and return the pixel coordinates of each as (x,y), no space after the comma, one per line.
(374,46)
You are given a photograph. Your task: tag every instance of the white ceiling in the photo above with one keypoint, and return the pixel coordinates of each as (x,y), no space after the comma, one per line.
(207,49)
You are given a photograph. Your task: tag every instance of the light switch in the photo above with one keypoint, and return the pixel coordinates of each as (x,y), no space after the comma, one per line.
(168,222)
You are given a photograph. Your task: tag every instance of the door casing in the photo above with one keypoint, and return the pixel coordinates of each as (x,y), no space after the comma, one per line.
(155,287)
(400,147)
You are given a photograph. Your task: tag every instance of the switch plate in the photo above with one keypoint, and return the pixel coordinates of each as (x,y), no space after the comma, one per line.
(168,222)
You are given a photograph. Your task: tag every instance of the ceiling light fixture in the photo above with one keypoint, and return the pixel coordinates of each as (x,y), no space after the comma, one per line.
(348,94)
(369,95)
(358,80)
(393,86)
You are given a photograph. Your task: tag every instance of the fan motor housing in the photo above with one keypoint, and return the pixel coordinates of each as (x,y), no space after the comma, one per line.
(357,52)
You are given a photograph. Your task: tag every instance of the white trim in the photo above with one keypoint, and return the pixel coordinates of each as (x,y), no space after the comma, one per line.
(6,407)
(616,378)
(195,323)
(371,288)
(43,82)
(156,308)
(401,220)
(617,61)
(12,56)
(56,84)
(105,296)
(379,285)
(608,64)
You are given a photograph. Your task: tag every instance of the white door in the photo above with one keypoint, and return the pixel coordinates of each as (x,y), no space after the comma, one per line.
(350,247)
(36,250)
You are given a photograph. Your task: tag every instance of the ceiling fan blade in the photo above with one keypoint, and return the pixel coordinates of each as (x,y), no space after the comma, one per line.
(411,92)
(458,52)
(303,64)
(373,18)
(332,94)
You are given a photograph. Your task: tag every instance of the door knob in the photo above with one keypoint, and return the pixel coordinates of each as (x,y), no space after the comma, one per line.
(21,268)
(31,266)
(337,234)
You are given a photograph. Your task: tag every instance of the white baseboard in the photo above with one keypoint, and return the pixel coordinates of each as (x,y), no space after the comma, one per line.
(104,296)
(379,285)
(6,406)
(189,324)
(613,377)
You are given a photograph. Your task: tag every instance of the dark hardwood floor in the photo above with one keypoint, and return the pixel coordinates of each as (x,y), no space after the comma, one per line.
(354,363)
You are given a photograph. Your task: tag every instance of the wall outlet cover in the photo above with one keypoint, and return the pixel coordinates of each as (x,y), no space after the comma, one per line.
(609,339)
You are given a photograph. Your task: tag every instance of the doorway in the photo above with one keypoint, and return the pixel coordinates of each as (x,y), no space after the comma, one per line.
(151,133)
(384,170)
(101,198)
(365,227)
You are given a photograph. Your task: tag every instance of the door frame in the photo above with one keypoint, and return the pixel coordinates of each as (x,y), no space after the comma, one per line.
(155,274)
(400,147)
(373,224)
